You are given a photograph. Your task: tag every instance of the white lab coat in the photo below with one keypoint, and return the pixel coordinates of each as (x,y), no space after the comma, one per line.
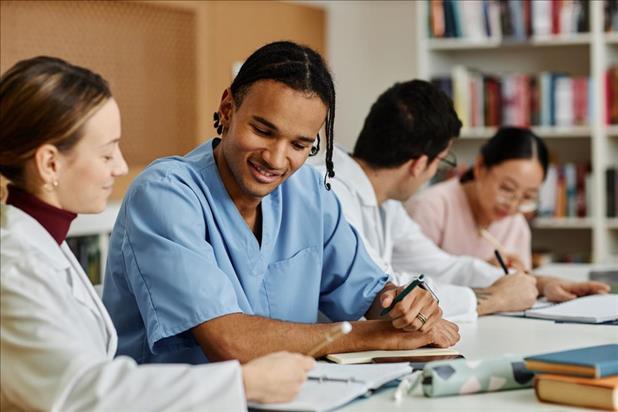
(57,342)
(398,244)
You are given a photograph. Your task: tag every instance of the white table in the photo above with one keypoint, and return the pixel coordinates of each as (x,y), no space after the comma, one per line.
(493,336)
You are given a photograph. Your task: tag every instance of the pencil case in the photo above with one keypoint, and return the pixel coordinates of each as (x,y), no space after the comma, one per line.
(463,376)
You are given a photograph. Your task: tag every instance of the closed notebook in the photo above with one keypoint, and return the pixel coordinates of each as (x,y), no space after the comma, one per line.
(587,309)
(593,362)
(572,390)
(330,386)
(424,354)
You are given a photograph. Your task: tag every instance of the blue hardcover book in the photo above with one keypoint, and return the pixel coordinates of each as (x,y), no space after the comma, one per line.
(593,362)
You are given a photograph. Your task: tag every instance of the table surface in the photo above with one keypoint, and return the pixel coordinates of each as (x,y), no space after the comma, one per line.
(492,336)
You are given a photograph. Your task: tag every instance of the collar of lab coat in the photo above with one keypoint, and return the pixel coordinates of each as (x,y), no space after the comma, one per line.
(16,221)
(350,172)
(27,230)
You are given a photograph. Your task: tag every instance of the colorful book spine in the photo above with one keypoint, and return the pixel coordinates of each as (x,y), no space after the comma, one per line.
(519,99)
(515,20)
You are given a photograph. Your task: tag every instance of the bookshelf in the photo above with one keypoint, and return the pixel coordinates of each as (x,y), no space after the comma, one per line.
(94,228)
(577,54)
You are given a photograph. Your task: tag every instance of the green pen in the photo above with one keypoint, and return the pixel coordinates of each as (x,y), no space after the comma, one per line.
(419,281)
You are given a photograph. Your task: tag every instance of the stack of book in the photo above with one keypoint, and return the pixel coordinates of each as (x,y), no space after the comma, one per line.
(566,191)
(515,20)
(586,377)
(518,99)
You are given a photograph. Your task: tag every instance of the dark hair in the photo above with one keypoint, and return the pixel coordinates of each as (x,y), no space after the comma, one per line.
(44,100)
(511,143)
(298,67)
(407,121)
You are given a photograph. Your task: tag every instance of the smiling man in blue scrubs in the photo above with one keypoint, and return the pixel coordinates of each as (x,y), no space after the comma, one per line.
(231,250)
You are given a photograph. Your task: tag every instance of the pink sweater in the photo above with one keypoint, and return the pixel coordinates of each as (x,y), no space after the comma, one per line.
(444,214)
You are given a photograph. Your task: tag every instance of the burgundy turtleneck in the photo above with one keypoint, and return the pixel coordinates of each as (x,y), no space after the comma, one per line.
(56,221)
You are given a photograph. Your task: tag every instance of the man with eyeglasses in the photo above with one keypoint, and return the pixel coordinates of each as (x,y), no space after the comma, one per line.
(406,137)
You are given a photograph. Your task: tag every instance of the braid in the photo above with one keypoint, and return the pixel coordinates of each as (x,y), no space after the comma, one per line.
(330,122)
(300,68)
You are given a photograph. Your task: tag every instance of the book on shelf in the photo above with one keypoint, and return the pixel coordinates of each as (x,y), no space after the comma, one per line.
(518,99)
(584,392)
(88,253)
(592,361)
(515,20)
(611,186)
(611,92)
(566,191)
(610,18)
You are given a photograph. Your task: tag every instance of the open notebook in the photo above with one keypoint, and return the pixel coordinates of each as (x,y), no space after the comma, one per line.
(587,309)
(411,355)
(331,386)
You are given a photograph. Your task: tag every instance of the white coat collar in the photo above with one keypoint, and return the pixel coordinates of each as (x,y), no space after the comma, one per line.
(350,172)
(24,227)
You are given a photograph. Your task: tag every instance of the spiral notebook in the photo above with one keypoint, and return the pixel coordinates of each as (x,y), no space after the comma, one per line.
(330,386)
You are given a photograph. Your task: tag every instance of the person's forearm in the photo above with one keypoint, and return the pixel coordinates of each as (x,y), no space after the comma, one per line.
(245,337)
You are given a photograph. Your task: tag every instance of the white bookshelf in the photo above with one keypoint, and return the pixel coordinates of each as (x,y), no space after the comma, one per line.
(100,225)
(544,132)
(579,54)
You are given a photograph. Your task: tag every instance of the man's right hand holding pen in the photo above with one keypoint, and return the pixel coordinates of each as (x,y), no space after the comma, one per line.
(413,308)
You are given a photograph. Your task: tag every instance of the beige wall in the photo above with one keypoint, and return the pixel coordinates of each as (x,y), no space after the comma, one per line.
(371,45)
(229,31)
(167,61)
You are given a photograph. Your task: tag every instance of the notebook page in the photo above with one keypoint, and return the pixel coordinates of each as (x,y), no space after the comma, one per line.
(373,376)
(587,309)
(316,395)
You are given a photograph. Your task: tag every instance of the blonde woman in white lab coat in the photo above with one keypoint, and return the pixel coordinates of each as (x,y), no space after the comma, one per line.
(59,136)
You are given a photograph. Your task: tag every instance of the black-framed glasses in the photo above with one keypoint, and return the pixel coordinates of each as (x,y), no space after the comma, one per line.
(450,160)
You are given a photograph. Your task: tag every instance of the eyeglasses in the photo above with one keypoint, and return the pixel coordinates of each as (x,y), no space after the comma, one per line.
(524,204)
(449,161)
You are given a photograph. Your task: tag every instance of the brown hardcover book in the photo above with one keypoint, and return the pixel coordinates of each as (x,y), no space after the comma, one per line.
(572,390)
(613,92)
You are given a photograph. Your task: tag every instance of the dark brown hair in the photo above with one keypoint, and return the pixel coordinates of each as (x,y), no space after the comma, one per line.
(44,100)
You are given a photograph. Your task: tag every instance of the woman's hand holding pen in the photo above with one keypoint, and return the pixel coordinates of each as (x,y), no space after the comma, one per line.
(418,310)
(511,260)
(514,292)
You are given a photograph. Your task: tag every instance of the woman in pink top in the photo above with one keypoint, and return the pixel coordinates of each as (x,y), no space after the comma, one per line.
(485,207)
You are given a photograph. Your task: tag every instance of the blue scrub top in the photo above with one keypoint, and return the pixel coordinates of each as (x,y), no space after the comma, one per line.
(181,254)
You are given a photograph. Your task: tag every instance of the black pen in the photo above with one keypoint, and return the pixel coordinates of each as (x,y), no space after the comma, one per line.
(501,261)
(419,281)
